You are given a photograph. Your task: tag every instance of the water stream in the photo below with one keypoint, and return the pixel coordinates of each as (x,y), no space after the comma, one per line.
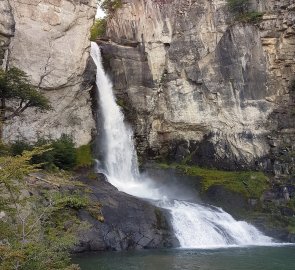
(195,225)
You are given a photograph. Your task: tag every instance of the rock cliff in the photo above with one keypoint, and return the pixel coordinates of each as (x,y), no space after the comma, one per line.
(49,40)
(199,84)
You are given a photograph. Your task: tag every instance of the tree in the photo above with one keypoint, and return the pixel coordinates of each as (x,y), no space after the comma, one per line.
(18,94)
(110,6)
(36,231)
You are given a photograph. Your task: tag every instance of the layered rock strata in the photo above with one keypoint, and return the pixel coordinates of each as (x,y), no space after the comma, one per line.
(199,84)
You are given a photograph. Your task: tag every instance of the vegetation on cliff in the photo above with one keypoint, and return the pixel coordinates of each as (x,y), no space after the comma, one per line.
(249,184)
(98,29)
(62,153)
(38,220)
(110,6)
(17,94)
(242,11)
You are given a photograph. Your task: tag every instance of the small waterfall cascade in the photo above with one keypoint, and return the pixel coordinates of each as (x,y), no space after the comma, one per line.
(195,225)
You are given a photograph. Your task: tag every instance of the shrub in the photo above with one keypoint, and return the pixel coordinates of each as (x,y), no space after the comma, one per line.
(18,147)
(110,6)
(84,156)
(98,29)
(64,153)
(242,12)
(238,6)
(61,153)
(250,17)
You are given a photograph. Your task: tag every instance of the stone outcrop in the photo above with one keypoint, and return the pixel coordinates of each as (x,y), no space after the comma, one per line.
(129,223)
(51,44)
(197,83)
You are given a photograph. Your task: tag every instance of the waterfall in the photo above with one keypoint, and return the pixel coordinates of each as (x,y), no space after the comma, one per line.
(195,225)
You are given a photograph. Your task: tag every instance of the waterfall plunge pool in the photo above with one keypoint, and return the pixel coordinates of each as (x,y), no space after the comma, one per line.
(247,258)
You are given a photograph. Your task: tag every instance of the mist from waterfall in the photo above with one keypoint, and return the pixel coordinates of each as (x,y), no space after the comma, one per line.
(195,225)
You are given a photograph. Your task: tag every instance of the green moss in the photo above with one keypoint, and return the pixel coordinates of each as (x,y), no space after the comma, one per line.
(250,184)
(84,156)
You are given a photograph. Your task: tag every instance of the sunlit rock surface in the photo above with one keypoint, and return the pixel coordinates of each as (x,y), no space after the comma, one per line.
(197,83)
(51,44)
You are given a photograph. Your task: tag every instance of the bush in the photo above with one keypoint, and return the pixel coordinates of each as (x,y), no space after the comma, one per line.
(241,10)
(98,29)
(62,153)
(250,17)
(18,147)
(110,6)
(84,156)
(238,6)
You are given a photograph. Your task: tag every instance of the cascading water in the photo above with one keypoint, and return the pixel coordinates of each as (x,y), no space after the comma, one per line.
(195,225)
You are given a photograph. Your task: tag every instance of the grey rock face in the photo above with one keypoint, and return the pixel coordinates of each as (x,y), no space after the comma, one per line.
(197,78)
(51,44)
(6,30)
(129,223)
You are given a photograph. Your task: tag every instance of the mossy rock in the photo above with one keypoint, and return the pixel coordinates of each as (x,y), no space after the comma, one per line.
(248,183)
(84,158)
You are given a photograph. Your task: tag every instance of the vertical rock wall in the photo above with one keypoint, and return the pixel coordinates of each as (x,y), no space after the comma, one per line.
(51,44)
(6,30)
(198,83)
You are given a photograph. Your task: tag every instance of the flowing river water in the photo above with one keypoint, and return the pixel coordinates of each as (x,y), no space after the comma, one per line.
(196,226)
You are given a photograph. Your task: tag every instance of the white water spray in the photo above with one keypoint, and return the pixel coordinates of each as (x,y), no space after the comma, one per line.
(195,225)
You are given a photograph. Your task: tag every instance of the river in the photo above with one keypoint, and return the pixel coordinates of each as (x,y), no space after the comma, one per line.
(247,258)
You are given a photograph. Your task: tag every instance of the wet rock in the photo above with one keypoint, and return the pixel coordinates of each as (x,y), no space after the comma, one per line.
(128,222)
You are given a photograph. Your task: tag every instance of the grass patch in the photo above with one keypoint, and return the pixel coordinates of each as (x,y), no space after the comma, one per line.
(250,184)
(84,158)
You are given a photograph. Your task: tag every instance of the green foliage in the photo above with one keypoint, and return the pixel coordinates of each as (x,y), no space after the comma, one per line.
(98,29)
(18,147)
(74,201)
(15,86)
(238,6)
(62,153)
(250,184)
(84,158)
(250,17)
(37,231)
(110,6)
